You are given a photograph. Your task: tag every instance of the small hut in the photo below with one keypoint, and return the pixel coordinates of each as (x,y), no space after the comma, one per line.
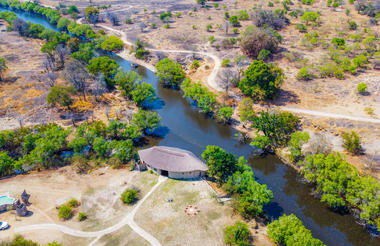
(25,198)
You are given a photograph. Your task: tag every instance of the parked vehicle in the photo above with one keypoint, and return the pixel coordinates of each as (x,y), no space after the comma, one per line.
(3,225)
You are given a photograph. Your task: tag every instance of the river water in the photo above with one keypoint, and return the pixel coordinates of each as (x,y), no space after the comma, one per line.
(184,127)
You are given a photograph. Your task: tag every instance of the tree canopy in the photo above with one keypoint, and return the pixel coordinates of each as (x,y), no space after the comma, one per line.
(261,80)
(170,73)
(104,65)
(112,44)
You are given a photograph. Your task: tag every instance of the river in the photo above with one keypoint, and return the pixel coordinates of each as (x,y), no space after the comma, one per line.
(184,127)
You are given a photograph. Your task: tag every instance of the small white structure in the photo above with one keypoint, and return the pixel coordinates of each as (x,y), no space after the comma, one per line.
(171,162)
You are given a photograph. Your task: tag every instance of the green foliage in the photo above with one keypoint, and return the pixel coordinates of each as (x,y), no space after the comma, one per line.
(143,93)
(73,203)
(224,114)
(6,164)
(310,17)
(3,67)
(263,54)
(72,9)
(362,87)
(101,147)
(146,120)
(234,20)
(104,65)
(84,53)
(245,109)
(170,73)
(338,42)
(112,44)
(225,62)
(139,50)
(61,95)
(301,27)
(220,163)
(82,216)
(128,21)
(123,150)
(129,196)
(18,240)
(352,25)
(237,234)
(288,230)
(195,64)
(166,15)
(305,73)
(63,23)
(341,186)
(8,16)
(351,142)
(276,127)
(360,61)
(261,80)
(65,212)
(92,14)
(297,140)
(200,94)
(308,2)
(243,15)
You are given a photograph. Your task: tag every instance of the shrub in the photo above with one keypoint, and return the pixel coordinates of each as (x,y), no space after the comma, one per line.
(255,39)
(301,27)
(305,74)
(6,164)
(225,62)
(82,216)
(360,61)
(65,212)
(195,64)
(129,196)
(234,20)
(224,114)
(237,234)
(268,18)
(362,87)
(351,142)
(128,21)
(235,30)
(261,80)
(61,95)
(263,54)
(73,203)
(338,42)
(243,15)
(308,2)
(352,25)
(209,28)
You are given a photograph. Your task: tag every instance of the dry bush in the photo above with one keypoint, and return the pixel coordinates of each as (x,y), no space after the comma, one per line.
(255,39)
(82,106)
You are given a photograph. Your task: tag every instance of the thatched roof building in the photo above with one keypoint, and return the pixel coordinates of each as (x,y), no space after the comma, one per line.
(172,162)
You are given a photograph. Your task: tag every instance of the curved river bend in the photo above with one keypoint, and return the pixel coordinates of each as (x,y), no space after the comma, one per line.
(185,128)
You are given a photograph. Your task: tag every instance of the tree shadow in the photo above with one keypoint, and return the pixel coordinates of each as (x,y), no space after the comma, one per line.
(285,97)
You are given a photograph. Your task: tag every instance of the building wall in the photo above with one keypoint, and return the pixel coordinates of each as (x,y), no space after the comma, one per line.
(180,175)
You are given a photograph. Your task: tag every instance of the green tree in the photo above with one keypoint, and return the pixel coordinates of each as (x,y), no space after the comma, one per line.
(61,95)
(104,65)
(362,87)
(170,73)
(237,234)
(146,120)
(3,67)
(101,147)
(92,14)
(123,150)
(351,142)
(220,163)
(72,9)
(288,230)
(297,140)
(261,80)
(6,164)
(224,114)
(129,196)
(276,127)
(310,16)
(112,44)
(143,93)
(246,110)
(63,23)
(65,212)
(234,20)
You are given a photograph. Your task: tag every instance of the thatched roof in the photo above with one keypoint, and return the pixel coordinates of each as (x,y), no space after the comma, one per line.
(171,159)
